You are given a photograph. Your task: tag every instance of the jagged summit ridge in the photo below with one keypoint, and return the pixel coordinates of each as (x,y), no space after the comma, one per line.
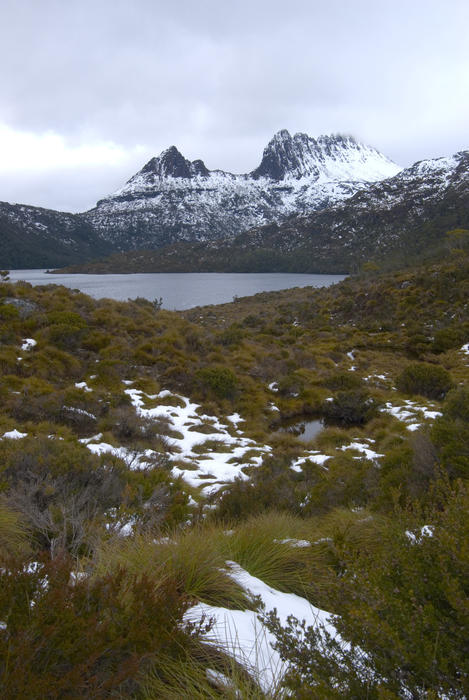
(327,231)
(335,157)
(171,163)
(172,198)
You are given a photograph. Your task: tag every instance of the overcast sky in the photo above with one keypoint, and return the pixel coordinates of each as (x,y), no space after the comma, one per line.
(90,90)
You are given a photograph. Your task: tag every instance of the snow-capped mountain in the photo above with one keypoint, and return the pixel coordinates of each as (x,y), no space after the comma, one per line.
(394,222)
(398,220)
(316,205)
(173,199)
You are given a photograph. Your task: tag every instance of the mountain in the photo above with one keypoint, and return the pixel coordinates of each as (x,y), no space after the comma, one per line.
(394,222)
(36,237)
(312,205)
(173,199)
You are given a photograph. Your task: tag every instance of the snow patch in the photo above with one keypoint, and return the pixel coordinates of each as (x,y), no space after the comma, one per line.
(213,467)
(364,449)
(14,435)
(410,413)
(242,635)
(83,385)
(28,344)
(314,457)
(294,543)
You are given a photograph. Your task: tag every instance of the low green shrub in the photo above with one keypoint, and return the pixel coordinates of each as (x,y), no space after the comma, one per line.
(401,613)
(85,637)
(221,381)
(432,381)
(343,381)
(354,407)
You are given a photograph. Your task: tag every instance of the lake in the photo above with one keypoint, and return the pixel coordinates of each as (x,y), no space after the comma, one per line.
(179,291)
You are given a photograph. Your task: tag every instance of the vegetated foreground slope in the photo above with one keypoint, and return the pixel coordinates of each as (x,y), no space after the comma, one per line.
(400,220)
(141,451)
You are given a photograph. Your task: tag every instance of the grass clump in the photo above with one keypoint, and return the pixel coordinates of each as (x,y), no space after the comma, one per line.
(203,674)
(258,545)
(13,534)
(192,558)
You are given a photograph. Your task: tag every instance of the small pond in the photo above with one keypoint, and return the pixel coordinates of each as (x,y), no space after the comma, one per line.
(305,428)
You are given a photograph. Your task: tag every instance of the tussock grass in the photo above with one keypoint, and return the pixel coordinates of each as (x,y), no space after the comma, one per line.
(191,558)
(257,546)
(13,534)
(203,674)
(338,532)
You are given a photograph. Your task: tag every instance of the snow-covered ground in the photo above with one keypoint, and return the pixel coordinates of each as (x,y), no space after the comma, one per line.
(411,413)
(205,460)
(363,447)
(242,634)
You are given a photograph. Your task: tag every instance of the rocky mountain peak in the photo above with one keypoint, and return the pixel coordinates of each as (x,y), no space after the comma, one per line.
(282,156)
(171,163)
(172,198)
(335,157)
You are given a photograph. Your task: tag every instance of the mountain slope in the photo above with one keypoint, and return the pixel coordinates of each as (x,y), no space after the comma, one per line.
(36,237)
(172,199)
(398,220)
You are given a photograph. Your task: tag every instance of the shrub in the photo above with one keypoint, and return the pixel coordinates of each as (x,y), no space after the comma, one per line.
(450,337)
(35,400)
(354,407)
(432,381)
(401,612)
(230,336)
(8,312)
(290,384)
(456,406)
(271,486)
(85,637)
(343,381)
(58,486)
(221,381)
(450,433)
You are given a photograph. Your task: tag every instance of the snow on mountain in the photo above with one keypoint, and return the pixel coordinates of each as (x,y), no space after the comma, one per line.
(173,199)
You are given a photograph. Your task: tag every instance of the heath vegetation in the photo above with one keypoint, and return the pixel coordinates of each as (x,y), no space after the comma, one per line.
(140,455)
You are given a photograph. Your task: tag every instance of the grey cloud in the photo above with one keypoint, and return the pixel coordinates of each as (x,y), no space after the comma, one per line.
(218,79)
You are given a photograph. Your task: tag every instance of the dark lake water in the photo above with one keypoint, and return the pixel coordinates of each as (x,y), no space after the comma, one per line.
(178,290)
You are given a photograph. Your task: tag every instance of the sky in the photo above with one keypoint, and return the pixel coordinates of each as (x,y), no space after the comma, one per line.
(91,90)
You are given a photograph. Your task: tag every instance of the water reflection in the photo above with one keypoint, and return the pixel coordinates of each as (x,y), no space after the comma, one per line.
(305,429)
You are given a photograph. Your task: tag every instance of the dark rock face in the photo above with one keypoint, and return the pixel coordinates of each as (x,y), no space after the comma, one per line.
(171,163)
(285,155)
